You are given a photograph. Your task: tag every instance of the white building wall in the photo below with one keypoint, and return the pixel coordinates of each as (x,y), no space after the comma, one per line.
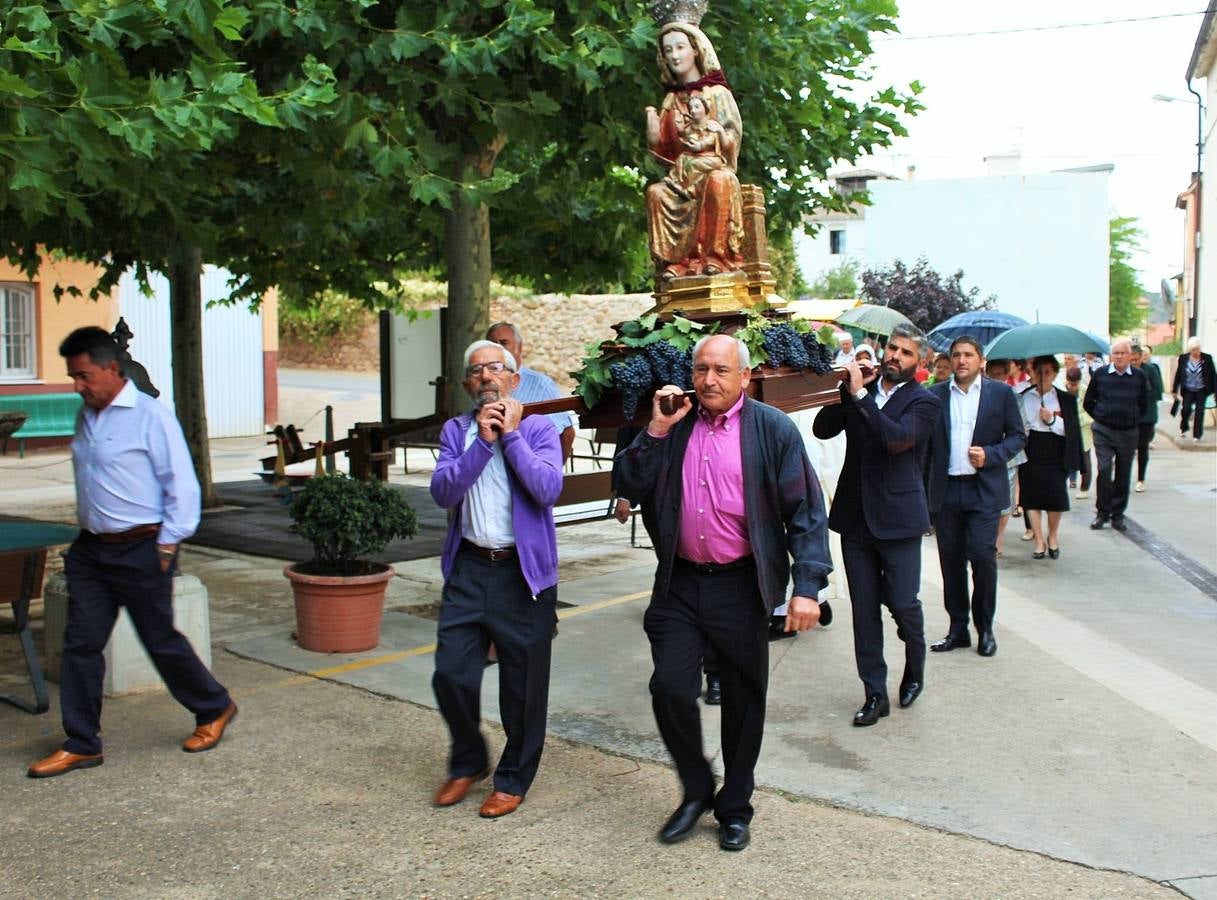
(232,351)
(1206,315)
(813,252)
(1039,242)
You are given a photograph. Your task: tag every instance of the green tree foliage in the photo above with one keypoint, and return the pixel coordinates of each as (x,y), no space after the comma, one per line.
(924,295)
(329,144)
(838,283)
(123,123)
(1124,314)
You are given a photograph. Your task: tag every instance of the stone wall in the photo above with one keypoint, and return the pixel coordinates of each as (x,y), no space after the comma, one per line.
(556,327)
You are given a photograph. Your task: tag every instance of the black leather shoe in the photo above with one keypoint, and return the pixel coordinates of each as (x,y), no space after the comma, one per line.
(825,614)
(1054,552)
(733,834)
(1119,524)
(714,691)
(683,821)
(1099,522)
(1038,554)
(951,642)
(874,709)
(910,688)
(777,629)
(985,644)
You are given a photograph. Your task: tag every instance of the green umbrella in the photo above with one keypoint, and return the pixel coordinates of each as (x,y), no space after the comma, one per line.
(875,319)
(1041,339)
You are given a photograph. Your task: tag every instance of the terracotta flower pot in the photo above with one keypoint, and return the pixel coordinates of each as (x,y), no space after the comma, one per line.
(338,614)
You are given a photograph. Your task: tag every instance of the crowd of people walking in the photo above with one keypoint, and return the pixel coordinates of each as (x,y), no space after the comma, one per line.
(933,444)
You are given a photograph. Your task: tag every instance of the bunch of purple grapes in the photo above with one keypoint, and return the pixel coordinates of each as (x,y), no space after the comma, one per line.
(633,377)
(820,358)
(784,346)
(670,365)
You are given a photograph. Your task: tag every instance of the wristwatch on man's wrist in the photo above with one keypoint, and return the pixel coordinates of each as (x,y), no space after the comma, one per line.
(860,394)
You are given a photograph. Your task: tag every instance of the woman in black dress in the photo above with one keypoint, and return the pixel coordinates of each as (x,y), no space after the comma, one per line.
(1054,442)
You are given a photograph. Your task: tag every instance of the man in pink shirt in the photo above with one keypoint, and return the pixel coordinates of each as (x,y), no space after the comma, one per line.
(735,501)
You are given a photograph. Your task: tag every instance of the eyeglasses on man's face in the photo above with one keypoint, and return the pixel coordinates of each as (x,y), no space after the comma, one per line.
(477,368)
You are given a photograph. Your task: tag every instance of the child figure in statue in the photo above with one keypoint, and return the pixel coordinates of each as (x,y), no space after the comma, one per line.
(700,137)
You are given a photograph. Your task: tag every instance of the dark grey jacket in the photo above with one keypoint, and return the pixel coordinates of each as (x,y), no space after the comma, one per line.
(782,500)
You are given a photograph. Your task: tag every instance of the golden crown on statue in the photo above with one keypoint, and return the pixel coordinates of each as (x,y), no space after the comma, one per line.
(691,11)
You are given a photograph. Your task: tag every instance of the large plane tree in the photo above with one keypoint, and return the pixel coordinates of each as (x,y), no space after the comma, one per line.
(330,144)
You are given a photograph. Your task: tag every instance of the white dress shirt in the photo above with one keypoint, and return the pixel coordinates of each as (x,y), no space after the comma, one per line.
(882,396)
(965,407)
(486,510)
(1033,402)
(133,467)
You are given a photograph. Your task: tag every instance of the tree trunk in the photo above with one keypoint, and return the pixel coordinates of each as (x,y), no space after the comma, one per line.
(467,250)
(186,343)
(467,253)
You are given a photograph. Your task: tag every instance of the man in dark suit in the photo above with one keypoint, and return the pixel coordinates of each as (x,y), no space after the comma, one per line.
(980,431)
(1117,400)
(880,510)
(736,501)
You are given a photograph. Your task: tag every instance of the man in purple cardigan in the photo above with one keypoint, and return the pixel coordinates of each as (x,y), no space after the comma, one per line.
(498,476)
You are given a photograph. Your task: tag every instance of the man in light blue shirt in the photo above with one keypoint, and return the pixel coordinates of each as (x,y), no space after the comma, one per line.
(533,385)
(137,499)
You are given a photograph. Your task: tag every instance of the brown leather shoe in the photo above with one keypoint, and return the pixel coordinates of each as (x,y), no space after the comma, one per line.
(61,762)
(500,804)
(207,736)
(453,790)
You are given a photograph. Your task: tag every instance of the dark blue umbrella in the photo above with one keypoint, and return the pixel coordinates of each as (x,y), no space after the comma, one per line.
(982,324)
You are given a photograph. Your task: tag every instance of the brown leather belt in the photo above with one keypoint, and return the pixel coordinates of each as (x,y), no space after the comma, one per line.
(717,568)
(138,533)
(494,554)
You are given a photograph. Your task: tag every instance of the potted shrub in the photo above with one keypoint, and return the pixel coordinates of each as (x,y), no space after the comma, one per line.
(340,597)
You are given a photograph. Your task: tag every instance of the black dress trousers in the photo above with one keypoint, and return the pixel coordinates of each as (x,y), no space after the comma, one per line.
(486,601)
(723,611)
(101,578)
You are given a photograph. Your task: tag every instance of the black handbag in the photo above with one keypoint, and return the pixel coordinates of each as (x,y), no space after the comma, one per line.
(1175,407)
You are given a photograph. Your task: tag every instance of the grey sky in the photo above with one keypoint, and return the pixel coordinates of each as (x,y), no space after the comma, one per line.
(1065,97)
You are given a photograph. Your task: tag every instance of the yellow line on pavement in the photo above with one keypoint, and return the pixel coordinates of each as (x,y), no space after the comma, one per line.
(600,604)
(359,664)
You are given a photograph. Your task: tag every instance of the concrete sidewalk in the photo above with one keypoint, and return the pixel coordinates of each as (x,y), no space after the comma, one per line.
(1089,743)
(321,790)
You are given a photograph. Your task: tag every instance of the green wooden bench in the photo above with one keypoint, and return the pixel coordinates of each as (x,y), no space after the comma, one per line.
(50,415)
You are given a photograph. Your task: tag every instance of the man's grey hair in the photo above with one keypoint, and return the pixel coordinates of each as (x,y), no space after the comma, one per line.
(745,358)
(912,333)
(515,332)
(1193,343)
(480,345)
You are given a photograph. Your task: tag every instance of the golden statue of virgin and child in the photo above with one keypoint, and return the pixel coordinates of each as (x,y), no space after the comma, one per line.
(696,215)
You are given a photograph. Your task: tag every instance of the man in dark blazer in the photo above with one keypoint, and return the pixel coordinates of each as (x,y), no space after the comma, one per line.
(1116,399)
(738,514)
(980,431)
(880,510)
